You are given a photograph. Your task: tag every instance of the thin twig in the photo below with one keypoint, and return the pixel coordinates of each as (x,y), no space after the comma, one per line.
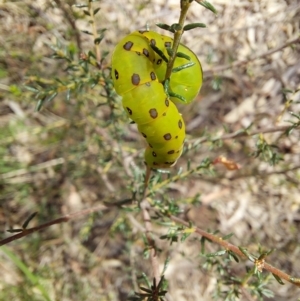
(185,5)
(194,142)
(228,246)
(259,56)
(151,242)
(264,173)
(33,168)
(145,207)
(60,220)
(69,16)
(95,34)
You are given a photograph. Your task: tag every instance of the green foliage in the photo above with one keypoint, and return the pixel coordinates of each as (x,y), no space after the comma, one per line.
(153,293)
(31,278)
(267,151)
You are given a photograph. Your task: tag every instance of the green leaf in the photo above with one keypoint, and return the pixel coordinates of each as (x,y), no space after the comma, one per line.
(267,293)
(24,226)
(219,253)
(295,115)
(98,40)
(285,90)
(234,256)
(87,32)
(31,89)
(166,263)
(91,54)
(96,10)
(167,86)
(216,83)
(172,94)
(68,95)
(14,230)
(104,55)
(207,5)
(159,52)
(39,104)
(179,68)
(202,242)
(193,25)
(59,81)
(165,27)
(227,236)
(183,55)
(245,252)
(170,51)
(86,12)
(144,276)
(265,254)
(175,27)
(102,30)
(147,290)
(278,279)
(51,97)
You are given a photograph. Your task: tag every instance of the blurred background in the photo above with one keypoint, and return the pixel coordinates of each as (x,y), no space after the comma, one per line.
(80,150)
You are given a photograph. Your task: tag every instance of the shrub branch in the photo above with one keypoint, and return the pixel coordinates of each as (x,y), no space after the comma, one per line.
(246,61)
(145,207)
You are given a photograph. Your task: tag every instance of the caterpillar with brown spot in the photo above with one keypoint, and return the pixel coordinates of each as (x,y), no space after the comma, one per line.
(138,71)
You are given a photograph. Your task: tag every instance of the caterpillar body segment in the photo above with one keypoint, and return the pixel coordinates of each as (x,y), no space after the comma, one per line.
(137,73)
(186,82)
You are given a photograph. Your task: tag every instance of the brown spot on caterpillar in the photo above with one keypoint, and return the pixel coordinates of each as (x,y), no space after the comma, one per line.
(129,111)
(127,46)
(168,44)
(159,61)
(167,102)
(145,52)
(180,123)
(164,114)
(138,53)
(155,163)
(150,145)
(148,84)
(154,154)
(170,163)
(176,137)
(135,79)
(116,74)
(171,152)
(144,135)
(143,31)
(167,136)
(153,75)
(153,42)
(153,113)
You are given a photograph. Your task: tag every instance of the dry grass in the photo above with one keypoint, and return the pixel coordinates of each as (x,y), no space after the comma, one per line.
(50,160)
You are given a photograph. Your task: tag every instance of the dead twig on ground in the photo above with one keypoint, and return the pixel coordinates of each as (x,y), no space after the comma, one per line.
(235,64)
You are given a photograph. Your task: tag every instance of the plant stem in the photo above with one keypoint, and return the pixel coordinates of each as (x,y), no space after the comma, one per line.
(69,16)
(95,34)
(185,4)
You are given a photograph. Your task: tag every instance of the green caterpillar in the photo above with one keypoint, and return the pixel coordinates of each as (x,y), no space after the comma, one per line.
(137,73)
